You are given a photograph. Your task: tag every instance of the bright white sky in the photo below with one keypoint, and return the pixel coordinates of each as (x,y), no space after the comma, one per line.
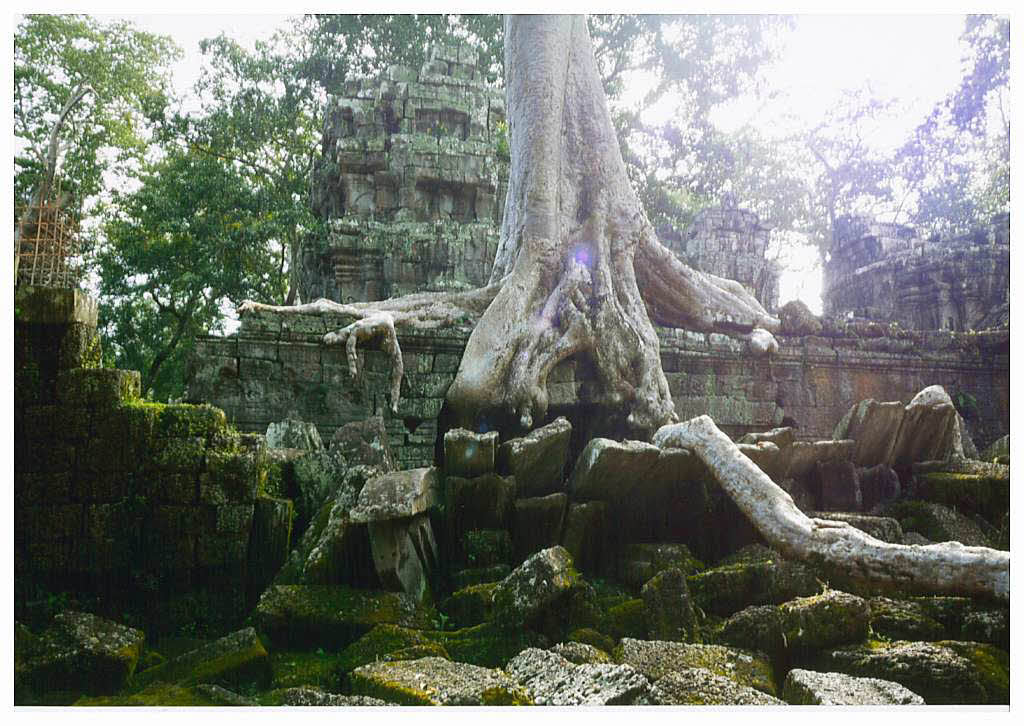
(914,58)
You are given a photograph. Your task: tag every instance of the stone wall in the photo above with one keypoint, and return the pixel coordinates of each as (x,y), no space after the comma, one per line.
(810,383)
(411,182)
(886,272)
(140,505)
(276,367)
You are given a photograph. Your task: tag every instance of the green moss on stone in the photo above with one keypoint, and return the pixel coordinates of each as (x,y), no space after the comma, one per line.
(626,620)
(590,636)
(471,605)
(155,695)
(984,495)
(186,420)
(379,642)
(330,616)
(990,664)
(485,645)
(390,691)
(97,387)
(290,669)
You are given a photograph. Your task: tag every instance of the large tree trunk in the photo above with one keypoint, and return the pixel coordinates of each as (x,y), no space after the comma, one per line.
(949,567)
(583,271)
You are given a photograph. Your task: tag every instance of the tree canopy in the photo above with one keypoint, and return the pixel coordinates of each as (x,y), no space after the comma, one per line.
(126,73)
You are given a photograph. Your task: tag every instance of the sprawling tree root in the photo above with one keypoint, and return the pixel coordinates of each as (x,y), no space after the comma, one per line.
(377,321)
(949,568)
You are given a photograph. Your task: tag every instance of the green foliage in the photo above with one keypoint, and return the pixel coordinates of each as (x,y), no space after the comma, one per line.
(54,56)
(189,241)
(956,164)
(346,46)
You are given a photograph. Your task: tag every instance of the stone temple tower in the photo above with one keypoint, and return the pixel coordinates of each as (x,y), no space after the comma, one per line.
(411,181)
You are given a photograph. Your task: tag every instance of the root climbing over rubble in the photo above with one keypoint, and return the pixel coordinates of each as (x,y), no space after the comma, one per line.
(948,568)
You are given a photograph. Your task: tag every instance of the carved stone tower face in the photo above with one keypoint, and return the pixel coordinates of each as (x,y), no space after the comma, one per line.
(411,181)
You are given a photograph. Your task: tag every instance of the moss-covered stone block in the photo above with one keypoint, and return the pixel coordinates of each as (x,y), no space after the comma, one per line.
(292,669)
(81,651)
(626,620)
(936,522)
(158,695)
(185,420)
(487,547)
(270,541)
(657,658)
(295,616)
(238,659)
(822,621)
(140,420)
(220,551)
(186,455)
(537,584)
(80,347)
(938,673)
(991,664)
(729,588)
(639,562)
(486,644)
(988,496)
(378,643)
(471,605)
(35,305)
(97,387)
(592,637)
(231,476)
(903,620)
(668,608)
(479,575)
(437,682)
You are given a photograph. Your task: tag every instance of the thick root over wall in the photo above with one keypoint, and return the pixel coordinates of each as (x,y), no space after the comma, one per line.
(948,568)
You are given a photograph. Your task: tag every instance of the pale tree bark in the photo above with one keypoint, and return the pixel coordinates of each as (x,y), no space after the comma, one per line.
(949,567)
(579,269)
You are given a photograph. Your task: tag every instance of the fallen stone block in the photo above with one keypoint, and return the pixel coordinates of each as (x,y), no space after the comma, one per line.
(396,495)
(537,523)
(79,652)
(657,658)
(668,609)
(701,687)
(537,460)
(811,688)
(551,680)
(874,427)
(943,673)
(294,434)
(436,682)
(232,661)
(639,562)
(533,586)
(609,469)
(319,616)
